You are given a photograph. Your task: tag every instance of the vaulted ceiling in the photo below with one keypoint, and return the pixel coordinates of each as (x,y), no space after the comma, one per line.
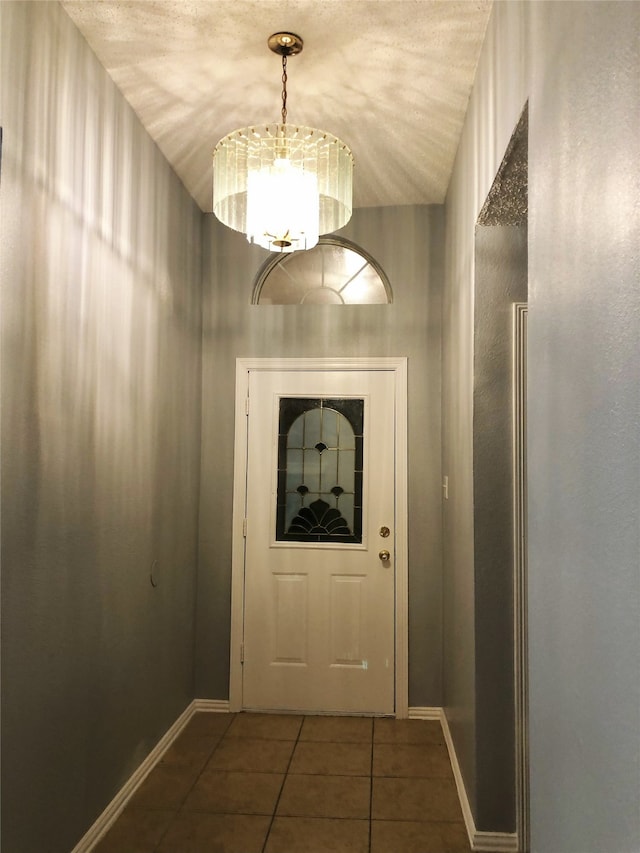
(392,78)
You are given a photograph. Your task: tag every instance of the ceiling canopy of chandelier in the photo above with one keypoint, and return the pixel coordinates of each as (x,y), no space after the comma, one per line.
(283,185)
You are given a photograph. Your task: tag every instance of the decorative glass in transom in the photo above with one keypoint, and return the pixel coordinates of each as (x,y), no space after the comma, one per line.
(335,272)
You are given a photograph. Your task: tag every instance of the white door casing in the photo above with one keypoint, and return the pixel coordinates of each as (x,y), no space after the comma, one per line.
(283,671)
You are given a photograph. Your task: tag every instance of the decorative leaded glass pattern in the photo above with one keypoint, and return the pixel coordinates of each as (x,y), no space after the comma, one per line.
(320,452)
(335,272)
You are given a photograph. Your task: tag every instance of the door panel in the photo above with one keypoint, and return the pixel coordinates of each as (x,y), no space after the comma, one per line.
(347,620)
(319,615)
(290,618)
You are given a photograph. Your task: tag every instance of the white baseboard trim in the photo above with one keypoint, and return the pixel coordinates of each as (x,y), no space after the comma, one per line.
(482,842)
(495,842)
(418,713)
(216,706)
(457,775)
(115,808)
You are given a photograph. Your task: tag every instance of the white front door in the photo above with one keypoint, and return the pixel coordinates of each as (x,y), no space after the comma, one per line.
(319,610)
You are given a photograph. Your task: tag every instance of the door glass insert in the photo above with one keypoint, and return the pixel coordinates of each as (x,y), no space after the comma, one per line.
(320,453)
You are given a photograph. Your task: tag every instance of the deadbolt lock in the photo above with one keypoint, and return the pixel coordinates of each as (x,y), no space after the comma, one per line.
(384,532)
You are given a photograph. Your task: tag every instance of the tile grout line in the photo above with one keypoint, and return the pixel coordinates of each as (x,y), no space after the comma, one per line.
(373,729)
(284,779)
(196,780)
(224,737)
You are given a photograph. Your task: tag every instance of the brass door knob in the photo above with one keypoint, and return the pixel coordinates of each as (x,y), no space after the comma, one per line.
(385,556)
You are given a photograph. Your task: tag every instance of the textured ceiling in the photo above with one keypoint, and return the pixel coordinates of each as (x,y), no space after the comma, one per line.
(392,78)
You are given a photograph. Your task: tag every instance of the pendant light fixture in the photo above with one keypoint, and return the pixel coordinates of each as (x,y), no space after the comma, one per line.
(282,184)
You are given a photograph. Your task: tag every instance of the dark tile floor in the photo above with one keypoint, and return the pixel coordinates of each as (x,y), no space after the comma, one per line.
(267,783)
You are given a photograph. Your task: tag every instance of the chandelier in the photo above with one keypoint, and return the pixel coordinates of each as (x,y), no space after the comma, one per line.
(283,185)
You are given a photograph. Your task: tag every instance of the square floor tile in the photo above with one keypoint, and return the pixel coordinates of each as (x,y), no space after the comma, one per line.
(326,796)
(189,751)
(322,804)
(252,756)
(235,793)
(332,759)
(415,799)
(387,730)
(208,724)
(135,831)
(417,837)
(165,787)
(412,759)
(269,726)
(337,729)
(317,835)
(198,832)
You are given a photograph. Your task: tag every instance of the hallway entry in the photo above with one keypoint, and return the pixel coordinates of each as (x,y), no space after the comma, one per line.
(317,495)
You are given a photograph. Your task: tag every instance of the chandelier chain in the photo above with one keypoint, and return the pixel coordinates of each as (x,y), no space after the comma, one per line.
(284,89)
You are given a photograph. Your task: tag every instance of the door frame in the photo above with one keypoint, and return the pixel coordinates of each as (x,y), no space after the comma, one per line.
(398,366)
(520,573)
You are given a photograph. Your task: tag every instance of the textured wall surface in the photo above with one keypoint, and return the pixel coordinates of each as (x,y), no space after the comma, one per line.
(100,429)
(584,428)
(407,242)
(578,65)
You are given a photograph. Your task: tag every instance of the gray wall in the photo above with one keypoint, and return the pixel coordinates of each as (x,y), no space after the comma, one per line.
(100,429)
(584,428)
(578,65)
(407,242)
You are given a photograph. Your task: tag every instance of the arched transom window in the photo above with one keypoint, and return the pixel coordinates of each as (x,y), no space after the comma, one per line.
(335,272)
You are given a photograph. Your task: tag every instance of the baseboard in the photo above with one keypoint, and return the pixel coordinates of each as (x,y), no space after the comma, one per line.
(495,842)
(115,808)
(457,775)
(216,706)
(482,842)
(418,713)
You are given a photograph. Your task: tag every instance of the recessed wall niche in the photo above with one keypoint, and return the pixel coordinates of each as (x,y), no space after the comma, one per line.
(500,283)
